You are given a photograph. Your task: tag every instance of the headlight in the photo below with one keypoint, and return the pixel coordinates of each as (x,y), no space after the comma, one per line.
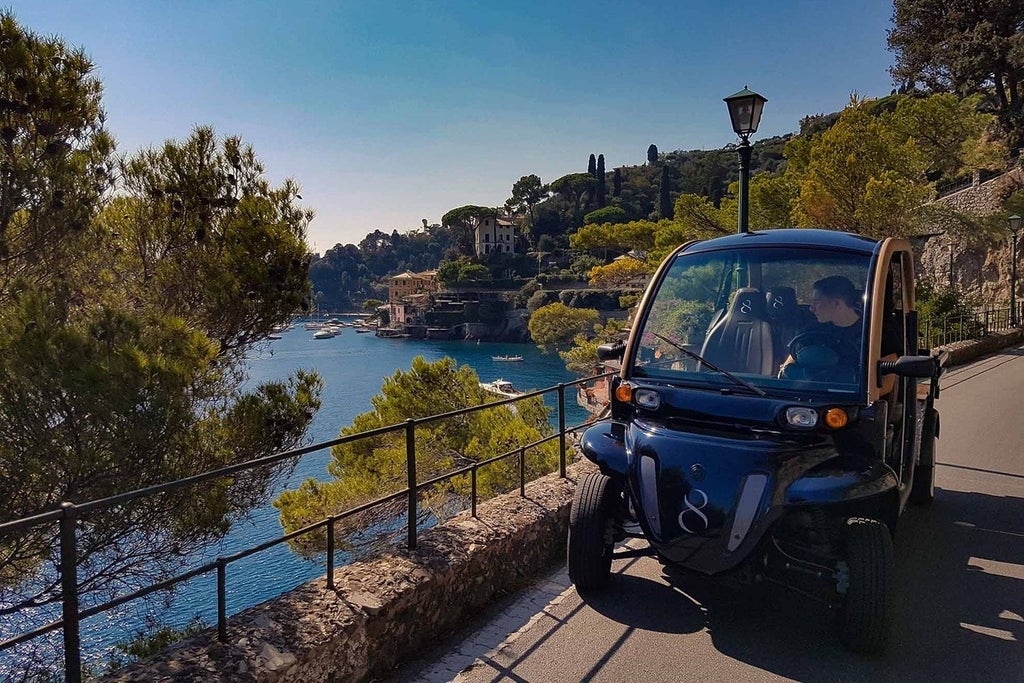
(801,417)
(647,398)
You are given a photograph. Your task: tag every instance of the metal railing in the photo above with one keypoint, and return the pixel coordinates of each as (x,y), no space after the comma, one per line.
(950,329)
(68,514)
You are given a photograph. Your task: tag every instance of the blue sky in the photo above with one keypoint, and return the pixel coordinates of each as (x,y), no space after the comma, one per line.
(390,112)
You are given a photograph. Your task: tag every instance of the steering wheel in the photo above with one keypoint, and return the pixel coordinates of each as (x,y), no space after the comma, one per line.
(814,339)
(813,351)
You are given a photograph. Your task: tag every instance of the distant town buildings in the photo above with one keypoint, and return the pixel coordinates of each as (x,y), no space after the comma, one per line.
(493,234)
(409,296)
(407,283)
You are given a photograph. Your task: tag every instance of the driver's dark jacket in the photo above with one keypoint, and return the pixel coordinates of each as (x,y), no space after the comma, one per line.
(848,341)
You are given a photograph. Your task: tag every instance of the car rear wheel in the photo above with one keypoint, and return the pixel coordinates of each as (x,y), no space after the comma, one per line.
(864,615)
(923,489)
(591,530)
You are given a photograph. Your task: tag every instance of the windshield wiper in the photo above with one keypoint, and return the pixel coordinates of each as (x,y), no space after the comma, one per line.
(700,359)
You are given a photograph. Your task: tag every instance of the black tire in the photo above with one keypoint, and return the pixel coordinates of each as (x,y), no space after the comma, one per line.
(590,545)
(864,616)
(922,491)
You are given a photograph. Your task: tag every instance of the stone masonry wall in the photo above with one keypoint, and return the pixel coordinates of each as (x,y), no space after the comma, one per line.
(980,268)
(384,610)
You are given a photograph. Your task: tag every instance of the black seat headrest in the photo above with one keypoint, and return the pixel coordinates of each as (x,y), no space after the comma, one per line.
(781,301)
(748,304)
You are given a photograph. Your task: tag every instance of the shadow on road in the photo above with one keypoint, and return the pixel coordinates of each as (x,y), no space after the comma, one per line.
(958,615)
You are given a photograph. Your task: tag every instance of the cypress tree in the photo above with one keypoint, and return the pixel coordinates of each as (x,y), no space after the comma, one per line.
(652,154)
(617,183)
(602,189)
(592,166)
(665,208)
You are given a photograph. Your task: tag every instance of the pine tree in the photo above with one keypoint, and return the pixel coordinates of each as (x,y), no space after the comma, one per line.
(602,189)
(652,154)
(592,166)
(617,183)
(665,209)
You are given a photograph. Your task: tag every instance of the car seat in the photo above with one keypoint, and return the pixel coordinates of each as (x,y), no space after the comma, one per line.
(741,341)
(787,319)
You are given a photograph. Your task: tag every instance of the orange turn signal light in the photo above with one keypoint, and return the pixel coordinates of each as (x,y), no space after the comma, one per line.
(836,418)
(624,393)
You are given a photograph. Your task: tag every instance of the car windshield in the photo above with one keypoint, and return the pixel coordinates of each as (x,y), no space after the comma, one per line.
(780,319)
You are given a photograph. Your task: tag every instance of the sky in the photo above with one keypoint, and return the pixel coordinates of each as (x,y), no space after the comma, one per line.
(387,113)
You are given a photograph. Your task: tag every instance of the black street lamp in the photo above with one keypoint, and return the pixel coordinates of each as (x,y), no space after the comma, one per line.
(1014,221)
(745,108)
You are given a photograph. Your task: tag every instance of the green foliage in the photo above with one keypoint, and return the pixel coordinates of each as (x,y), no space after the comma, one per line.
(147,644)
(556,324)
(627,301)
(540,298)
(465,216)
(582,357)
(592,166)
(131,292)
(620,237)
(462,273)
(57,155)
(949,132)
(622,272)
(607,215)
(652,154)
(964,48)
(573,187)
(582,264)
(950,312)
(870,171)
(863,177)
(369,468)
(527,192)
(602,182)
(372,304)
(665,209)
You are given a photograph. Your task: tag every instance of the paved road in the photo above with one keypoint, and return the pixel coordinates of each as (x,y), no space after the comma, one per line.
(960,616)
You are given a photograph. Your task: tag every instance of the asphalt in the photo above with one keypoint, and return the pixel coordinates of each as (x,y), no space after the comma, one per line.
(960,575)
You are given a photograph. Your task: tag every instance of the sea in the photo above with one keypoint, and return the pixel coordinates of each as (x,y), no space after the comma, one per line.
(353,367)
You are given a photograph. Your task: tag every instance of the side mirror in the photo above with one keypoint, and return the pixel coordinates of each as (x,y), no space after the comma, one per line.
(613,351)
(908,366)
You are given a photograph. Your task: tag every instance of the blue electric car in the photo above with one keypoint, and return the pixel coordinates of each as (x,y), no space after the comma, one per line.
(771,419)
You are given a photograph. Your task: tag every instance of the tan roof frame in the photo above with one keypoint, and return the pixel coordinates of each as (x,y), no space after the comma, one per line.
(890,247)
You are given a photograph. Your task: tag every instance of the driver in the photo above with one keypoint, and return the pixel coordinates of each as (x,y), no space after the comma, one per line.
(836,307)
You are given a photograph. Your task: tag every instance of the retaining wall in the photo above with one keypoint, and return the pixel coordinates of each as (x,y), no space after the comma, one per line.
(383,611)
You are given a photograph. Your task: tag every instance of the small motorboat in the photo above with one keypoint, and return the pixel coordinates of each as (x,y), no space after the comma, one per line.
(507,359)
(502,388)
(325,333)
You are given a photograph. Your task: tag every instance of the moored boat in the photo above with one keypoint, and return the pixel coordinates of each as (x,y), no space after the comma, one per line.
(501,387)
(507,359)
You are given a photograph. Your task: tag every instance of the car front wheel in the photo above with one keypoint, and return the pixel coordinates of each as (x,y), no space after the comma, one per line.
(591,530)
(864,614)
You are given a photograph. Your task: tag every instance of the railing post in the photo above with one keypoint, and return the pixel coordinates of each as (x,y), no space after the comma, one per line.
(410,465)
(330,552)
(222,600)
(522,472)
(984,329)
(472,491)
(561,430)
(69,590)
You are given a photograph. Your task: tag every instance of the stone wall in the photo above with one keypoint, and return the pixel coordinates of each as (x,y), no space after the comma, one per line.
(384,610)
(980,267)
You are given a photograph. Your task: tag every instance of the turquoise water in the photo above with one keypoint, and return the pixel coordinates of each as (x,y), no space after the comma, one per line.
(352,366)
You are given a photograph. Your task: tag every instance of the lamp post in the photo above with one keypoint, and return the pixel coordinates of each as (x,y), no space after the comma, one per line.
(1014,221)
(745,108)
